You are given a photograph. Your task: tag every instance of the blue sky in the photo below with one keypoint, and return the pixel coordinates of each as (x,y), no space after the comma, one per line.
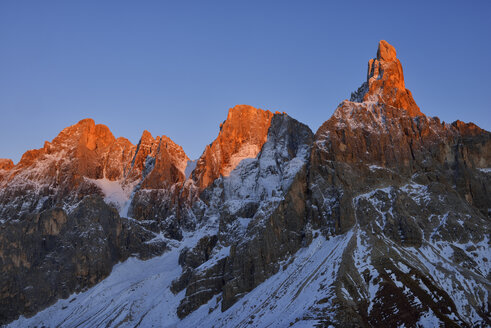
(175,68)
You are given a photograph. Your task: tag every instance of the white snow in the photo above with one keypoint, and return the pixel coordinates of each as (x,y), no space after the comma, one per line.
(114,193)
(450,279)
(126,296)
(247,150)
(217,256)
(404,268)
(429,320)
(349,114)
(362,261)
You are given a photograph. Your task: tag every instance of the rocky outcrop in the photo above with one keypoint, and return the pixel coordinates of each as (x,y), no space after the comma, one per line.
(261,210)
(368,136)
(86,159)
(157,198)
(146,149)
(385,82)
(411,248)
(118,159)
(6,164)
(52,254)
(241,136)
(170,164)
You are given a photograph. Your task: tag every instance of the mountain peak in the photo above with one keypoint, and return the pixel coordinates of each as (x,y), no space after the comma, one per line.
(242,107)
(243,113)
(146,136)
(87,134)
(386,52)
(385,82)
(241,136)
(86,121)
(6,164)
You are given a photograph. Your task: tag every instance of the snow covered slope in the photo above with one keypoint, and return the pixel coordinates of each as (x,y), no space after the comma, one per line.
(127,298)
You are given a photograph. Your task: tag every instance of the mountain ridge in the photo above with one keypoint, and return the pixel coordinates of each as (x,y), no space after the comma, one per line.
(400,200)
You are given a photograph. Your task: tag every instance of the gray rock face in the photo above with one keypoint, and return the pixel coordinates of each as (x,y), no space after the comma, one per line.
(260,209)
(53,254)
(418,251)
(365,142)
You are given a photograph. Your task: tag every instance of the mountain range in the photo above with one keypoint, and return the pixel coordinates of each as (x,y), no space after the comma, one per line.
(379,219)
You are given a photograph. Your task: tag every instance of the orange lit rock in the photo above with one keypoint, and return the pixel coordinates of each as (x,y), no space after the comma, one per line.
(241,136)
(147,147)
(170,163)
(385,51)
(117,162)
(6,164)
(385,81)
(64,170)
(87,145)
(467,129)
(61,171)
(30,156)
(159,194)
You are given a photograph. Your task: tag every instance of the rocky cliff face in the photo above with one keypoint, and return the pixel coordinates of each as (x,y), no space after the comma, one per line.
(50,255)
(372,135)
(241,136)
(5,165)
(161,174)
(379,219)
(257,218)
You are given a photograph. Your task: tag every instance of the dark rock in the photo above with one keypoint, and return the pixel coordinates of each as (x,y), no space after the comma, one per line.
(47,256)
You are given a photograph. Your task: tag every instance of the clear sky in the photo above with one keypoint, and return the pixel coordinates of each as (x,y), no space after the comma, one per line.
(176,67)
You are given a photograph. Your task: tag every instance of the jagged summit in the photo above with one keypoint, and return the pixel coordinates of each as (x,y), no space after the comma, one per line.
(168,166)
(87,133)
(86,158)
(385,82)
(6,164)
(386,52)
(241,136)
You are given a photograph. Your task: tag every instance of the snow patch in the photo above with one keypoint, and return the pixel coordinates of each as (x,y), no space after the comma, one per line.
(114,193)
(429,320)
(245,151)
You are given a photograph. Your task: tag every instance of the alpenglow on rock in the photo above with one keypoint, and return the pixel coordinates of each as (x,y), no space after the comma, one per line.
(241,136)
(379,219)
(385,82)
